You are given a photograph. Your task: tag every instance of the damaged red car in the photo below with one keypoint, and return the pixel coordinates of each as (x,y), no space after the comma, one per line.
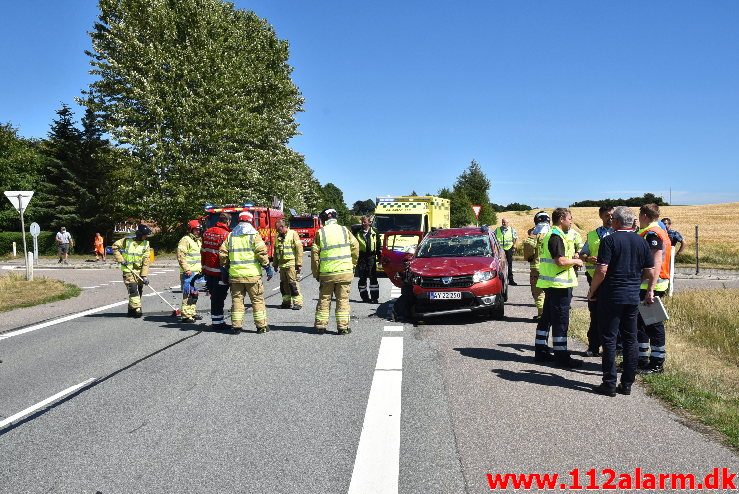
(451,271)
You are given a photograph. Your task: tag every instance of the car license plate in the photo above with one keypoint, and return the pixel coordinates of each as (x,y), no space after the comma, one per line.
(445,295)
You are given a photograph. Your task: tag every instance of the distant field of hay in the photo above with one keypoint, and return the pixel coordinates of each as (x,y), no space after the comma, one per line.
(716,226)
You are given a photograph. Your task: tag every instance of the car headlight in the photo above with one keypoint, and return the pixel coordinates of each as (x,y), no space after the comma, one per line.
(481,276)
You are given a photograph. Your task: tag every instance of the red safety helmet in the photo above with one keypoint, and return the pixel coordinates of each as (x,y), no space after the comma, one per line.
(193,224)
(246,216)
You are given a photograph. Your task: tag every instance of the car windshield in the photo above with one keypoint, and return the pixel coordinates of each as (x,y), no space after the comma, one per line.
(301,223)
(397,222)
(462,246)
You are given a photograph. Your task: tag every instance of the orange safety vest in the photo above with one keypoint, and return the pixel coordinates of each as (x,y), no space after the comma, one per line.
(664,273)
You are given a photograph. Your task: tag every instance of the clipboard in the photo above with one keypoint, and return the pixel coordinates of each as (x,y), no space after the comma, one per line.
(654,313)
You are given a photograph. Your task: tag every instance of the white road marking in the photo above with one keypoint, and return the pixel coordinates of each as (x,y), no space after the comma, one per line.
(393,328)
(77,315)
(276,288)
(89,287)
(117,281)
(167,270)
(42,404)
(377,465)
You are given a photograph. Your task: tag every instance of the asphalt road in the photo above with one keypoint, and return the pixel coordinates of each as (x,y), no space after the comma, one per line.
(389,408)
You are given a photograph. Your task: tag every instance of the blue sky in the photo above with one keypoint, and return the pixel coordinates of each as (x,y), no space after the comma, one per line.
(558,101)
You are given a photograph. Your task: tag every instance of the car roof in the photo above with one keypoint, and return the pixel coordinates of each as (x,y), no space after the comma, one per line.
(458,232)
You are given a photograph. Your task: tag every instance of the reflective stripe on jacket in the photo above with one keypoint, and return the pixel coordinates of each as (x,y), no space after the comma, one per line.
(213,237)
(336,255)
(663,283)
(550,274)
(507,238)
(242,258)
(188,253)
(288,249)
(134,252)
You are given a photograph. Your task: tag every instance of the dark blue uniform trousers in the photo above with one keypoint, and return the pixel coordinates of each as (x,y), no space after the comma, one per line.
(612,320)
(556,314)
(218,292)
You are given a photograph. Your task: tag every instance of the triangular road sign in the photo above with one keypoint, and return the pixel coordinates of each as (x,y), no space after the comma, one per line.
(19,198)
(477,210)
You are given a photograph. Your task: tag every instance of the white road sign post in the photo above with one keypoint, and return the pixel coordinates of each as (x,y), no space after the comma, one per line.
(35,230)
(20,199)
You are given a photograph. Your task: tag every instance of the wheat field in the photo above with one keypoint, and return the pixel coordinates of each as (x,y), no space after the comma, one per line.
(717,227)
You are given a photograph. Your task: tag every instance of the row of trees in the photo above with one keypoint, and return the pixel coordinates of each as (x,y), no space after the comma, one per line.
(193,102)
(647,198)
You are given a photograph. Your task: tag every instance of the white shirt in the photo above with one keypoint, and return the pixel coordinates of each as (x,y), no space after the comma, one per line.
(63,238)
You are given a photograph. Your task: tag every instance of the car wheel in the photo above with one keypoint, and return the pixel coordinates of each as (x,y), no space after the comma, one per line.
(498,312)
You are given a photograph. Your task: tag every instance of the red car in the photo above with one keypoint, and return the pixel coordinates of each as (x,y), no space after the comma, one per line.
(451,271)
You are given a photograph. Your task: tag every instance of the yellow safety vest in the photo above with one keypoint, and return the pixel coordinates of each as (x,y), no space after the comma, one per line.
(336,254)
(372,243)
(505,239)
(551,275)
(133,252)
(285,248)
(192,253)
(593,241)
(242,260)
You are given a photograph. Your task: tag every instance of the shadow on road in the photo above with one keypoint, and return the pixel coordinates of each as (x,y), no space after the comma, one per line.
(543,378)
(293,329)
(525,355)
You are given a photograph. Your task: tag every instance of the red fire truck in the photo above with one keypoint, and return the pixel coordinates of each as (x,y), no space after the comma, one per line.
(264,220)
(306,225)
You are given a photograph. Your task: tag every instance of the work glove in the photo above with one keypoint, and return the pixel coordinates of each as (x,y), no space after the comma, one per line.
(145,280)
(269,271)
(297,269)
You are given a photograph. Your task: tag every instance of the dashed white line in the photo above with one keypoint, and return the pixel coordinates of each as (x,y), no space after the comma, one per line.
(377,465)
(117,281)
(393,328)
(275,288)
(28,411)
(89,287)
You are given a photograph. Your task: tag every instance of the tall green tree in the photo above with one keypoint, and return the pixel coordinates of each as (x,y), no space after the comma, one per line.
(460,213)
(199,97)
(21,162)
(61,191)
(333,197)
(361,208)
(475,185)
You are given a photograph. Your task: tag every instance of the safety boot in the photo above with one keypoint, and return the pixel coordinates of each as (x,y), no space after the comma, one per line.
(285,305)
(321,330)
(131,312)
(344,330)
(568,362)
(137,313)
(187,320)
(263,329)
(541,356)
(655,368)
(297,307)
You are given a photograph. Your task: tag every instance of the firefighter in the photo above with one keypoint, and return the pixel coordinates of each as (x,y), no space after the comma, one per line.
(333,257)
(557,277)
(589,255)
(188,257)
(507,237)
(213,237)
(532,250)
(133,254)
(367,263)
(289,261)
(245,255)
(652,338)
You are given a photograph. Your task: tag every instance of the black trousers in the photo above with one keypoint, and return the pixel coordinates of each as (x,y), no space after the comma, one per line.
(367,268)
(594,341)
(218,293)
(509,260)
(651,338)
(556,315)
(612,320)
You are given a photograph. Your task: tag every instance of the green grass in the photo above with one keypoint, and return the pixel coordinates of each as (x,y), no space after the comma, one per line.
(16,292)
(702,368)
(716,255)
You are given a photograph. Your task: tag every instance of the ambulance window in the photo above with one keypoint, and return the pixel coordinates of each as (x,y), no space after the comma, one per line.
(263,219)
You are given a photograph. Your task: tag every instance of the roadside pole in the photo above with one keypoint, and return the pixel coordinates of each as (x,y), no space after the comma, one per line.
(29,266)
(35,231)
(20,199)
(697,263)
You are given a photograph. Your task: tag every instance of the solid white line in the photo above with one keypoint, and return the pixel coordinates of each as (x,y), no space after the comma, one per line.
(390,356)
(377,465)
(61,320)
(117,281)
(89,287)
(393,328)
(47,401)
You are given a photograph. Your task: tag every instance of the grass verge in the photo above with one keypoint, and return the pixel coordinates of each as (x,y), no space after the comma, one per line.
(702,369)
(16,292)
